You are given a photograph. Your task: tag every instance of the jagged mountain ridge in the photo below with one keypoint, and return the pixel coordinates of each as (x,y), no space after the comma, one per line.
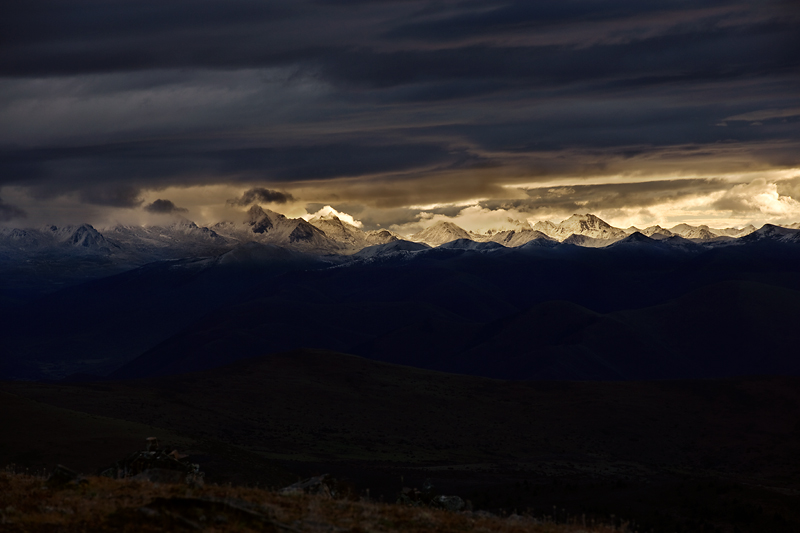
(772,232)
(39,260)
(657,232)
(518,237)
(351,237)
(588,226)
(265,226)
(324,235)
(76,237)
(340,231)
(389,297)
(168,241)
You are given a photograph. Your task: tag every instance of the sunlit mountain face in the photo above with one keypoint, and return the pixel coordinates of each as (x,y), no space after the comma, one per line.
(544,256)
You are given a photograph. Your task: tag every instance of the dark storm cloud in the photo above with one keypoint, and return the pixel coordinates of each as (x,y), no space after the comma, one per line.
(498,17)
(618,128)
(413,102)
(10,212)
(164,207)
(151,163)
(721,55)
(45,37)
(261,194)
(58,38)
(113,196)
(49,37)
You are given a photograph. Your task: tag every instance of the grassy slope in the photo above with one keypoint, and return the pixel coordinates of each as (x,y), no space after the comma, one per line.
(26,504)
(634,449)
(36,436)
(319,406)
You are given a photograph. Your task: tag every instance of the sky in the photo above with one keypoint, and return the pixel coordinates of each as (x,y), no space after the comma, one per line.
(400,113)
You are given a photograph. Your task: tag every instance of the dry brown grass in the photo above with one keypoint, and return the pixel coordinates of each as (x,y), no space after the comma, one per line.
(27,504)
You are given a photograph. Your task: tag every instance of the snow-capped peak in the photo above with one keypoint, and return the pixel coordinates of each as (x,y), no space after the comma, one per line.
(770,231)
(546,227)
(440,233)
(339,230)
(588,226)
(657,232)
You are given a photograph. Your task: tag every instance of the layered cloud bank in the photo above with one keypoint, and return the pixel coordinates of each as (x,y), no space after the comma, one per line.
(401,114)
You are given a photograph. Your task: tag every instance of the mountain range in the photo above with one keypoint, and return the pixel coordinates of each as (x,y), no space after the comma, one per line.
(541,310)
(36,261)
(325,234)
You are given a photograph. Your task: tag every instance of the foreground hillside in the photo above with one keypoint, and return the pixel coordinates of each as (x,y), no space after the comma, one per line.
(27,504)
(669,455)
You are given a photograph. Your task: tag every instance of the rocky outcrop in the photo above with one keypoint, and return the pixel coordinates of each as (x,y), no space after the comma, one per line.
(429,497)
(156,464)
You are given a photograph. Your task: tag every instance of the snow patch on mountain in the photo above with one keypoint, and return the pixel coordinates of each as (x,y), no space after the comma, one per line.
(704,233)
(382,236)
(514,238)
(440,233)
(83,238)
(546,227)
(657,232)
(19,237)
(735,232)
(588,226)
(86,236)
(694,232)
(182,238)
